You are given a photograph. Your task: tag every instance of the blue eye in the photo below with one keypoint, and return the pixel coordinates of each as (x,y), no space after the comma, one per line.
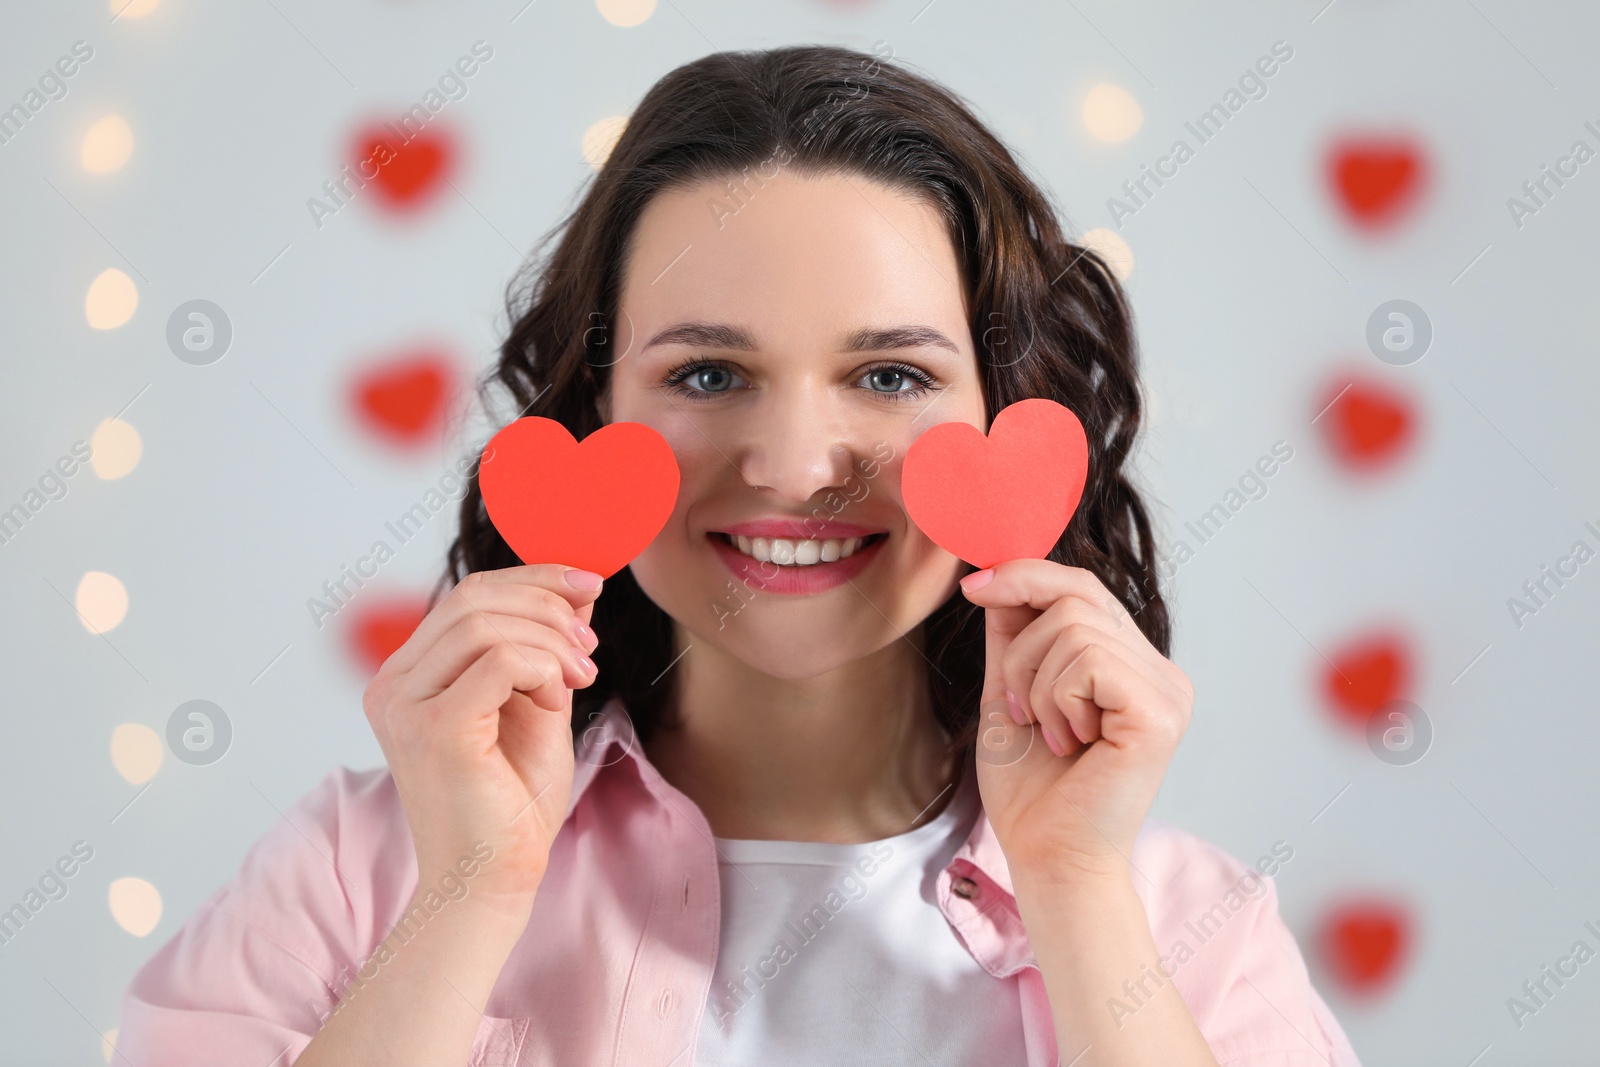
(898,381)
(888,381)
(711,379)
(699,379)
(703,379)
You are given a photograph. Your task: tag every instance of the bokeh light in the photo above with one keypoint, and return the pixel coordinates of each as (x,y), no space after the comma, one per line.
(107,145)
(102,601)
(625,12)
(136,752)
(135,905)
(111,301)
(1111,113)
(115,449)
(600,138)
(1113,249)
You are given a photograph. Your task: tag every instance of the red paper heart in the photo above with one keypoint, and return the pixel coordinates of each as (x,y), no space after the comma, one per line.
(1005,496)
(1364,944)
(1376,178)
(404,399)
(594,505)
(409,172)
(1367,427)
(381,627)
(1366,674)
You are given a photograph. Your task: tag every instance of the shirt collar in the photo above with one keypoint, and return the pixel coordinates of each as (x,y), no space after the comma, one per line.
(975,891)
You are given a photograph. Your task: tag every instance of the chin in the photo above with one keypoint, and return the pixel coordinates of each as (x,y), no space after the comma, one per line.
(758,647)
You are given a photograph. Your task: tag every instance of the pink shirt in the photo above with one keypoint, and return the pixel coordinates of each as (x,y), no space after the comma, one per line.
(616,964)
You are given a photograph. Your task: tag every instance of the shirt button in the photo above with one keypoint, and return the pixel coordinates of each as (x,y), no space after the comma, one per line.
(965,888)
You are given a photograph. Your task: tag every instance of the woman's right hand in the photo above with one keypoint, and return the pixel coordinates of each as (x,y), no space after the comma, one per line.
(474,714)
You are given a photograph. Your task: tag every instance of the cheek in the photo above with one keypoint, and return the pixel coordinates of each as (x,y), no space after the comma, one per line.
(919,564)
(700,465)
(690,433)
(691,443)
(703,471)
(929,567)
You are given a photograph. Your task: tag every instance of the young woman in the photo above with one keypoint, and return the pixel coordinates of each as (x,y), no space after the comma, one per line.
(791,788)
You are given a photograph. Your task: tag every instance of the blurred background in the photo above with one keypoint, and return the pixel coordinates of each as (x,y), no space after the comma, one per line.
(1365,289)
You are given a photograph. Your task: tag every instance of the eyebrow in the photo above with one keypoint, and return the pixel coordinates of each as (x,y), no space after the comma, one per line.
(867,339)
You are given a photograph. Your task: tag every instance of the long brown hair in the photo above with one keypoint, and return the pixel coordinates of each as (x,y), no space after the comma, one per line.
(1048,319)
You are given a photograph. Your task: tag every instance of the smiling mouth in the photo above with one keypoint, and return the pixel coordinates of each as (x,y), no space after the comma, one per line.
(790,552)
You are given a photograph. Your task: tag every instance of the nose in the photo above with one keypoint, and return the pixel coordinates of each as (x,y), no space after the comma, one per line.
(797,446)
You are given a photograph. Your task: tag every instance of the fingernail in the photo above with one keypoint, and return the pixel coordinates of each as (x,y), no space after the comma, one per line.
(588,581)
(1050,739)
(978,579)
(588,665)
(1016,708)
(585,636)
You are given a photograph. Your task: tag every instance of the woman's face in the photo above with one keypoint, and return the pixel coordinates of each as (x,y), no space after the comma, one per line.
(790,349)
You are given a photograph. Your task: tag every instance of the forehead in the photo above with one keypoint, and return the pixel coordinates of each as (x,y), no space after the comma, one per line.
(794,256)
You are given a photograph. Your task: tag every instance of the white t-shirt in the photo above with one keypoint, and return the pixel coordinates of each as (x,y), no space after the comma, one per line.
(836,953)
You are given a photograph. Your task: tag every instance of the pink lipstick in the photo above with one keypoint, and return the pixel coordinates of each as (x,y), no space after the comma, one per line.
(783,541)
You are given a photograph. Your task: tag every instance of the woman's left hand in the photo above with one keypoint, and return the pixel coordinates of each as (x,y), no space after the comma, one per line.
(1066,797)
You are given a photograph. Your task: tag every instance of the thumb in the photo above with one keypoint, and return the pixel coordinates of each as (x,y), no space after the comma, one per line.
(1000,627)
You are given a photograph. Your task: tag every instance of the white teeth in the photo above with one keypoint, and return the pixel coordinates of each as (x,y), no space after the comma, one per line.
(787,552)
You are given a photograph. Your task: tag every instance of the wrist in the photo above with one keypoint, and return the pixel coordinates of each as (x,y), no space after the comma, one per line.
(486,918)
(484,893)
(1106,881)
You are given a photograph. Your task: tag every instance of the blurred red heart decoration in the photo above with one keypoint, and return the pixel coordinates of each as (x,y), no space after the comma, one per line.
(410,171)
(380,627)
(1377,179)
(1367,425)
(403,399)
(594,505)
(1364,944)
(1368,673)
(1005,496)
